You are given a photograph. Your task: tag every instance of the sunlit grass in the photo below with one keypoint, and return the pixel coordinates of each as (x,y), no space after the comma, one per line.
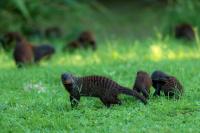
(34,99)
(118,51)
(166,51)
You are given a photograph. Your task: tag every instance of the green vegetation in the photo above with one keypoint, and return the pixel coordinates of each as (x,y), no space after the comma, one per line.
(34,100)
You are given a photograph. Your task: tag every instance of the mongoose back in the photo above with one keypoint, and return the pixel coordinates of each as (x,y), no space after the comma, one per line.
(143,83)
(172,88)
(43,51)
(166,83)
(96,86)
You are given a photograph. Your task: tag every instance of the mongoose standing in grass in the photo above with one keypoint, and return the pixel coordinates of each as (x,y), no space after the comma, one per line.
(87,39)
(172,88)
(143,83)
(96,86)
(73,45)
(184,31)
(25,53)
(166,83)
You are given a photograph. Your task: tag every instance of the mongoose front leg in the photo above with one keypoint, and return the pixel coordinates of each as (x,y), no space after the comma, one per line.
(157,91)
(145,93)
(74,101)
(140,97)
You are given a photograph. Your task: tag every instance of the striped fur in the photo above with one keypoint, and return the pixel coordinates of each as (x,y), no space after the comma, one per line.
(172,87)
(97,86)
(143,83)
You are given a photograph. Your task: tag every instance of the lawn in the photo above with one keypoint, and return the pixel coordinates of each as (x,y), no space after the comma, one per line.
(34,100)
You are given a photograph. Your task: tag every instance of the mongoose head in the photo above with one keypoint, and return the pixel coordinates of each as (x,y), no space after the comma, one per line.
(159,76)
(67,79)
(70,85)
(142,73)
(159,79)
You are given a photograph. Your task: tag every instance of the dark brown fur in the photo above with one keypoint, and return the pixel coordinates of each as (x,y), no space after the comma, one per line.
(73,45)
(166,83)
(143,83)
(87,39)
(158,78)
(172,88)
(25,53)
(96,86)
(184,31)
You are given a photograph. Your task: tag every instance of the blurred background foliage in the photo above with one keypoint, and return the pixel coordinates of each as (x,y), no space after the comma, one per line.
(23,15)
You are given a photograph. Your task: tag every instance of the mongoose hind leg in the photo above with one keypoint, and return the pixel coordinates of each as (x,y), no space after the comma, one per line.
(74,101)
(108,101)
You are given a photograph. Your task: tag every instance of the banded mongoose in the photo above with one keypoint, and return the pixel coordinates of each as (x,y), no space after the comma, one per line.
(143,83)
(25,53)
(73,45)
(184,31)
(87,39)
(166,83)
(172,88)
(96,86)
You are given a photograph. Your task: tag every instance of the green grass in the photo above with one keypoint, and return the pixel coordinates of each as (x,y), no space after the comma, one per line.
(23,108)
